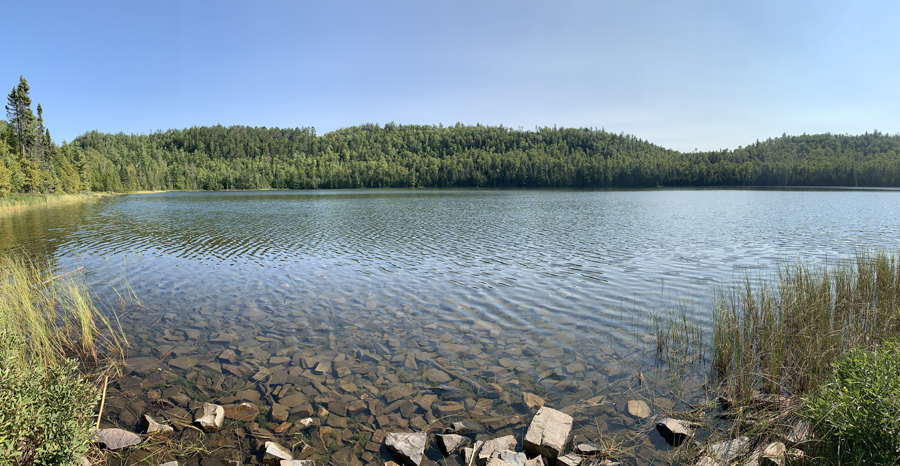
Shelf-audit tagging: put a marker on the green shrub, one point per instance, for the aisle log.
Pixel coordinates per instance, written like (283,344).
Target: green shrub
(45,412)
(857,412)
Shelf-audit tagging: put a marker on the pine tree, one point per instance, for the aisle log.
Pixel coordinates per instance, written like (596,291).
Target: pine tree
(18,111)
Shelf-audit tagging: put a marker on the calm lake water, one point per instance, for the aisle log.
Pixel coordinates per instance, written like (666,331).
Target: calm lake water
(395,309)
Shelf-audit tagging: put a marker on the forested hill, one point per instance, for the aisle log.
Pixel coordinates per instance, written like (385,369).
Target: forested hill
(240,157)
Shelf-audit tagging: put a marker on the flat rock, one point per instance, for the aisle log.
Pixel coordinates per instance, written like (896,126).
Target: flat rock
(548,432)
(513,458)
(151,427)
(449,443)
(274,454)
(724,452)
(463,427)
(674,431)
(536,461)
(773,454)
(436,376)
(587,449)
(184,362)
(297,463)
(407,448)
(210,417)
(395,393)
(241,412)
(552,353)
(228,355)
(638,408)
(532,401)
(569,460)
(495,446)
(115,439)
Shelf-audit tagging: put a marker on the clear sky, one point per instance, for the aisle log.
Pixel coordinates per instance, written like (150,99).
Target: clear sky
(682,74)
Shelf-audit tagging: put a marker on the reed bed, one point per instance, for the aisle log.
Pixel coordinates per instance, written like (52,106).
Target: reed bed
(15,202)
(56,318)
(783,336)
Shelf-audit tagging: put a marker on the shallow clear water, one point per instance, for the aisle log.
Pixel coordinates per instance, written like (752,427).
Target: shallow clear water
(485,284)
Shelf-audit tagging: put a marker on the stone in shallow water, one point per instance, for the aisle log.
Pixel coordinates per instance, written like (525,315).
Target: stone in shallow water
(532,401)
(436,376)
(674,431)
(407,448)
(513,458)
(210,417)
(449,443)
(495,446)
(151,427)
(115,439)
(551,353)
(274,454)
(569,460)
(548,432)
(184,362)
(638,408)
(241,412)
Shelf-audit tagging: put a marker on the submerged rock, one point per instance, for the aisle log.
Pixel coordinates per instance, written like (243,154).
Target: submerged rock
(151,427)
(638,408)
(548,432)
(274,454)
(407,448)
(241,412)
(210,417)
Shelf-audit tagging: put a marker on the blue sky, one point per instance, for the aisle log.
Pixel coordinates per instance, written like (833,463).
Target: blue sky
(682,74)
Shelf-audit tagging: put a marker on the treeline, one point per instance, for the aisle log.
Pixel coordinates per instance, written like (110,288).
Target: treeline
(372,156)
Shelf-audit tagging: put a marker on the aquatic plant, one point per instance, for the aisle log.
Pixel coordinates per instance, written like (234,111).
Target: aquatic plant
(58,315)
(783,336)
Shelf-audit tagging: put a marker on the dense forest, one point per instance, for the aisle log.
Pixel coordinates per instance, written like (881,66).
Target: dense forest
(372,156)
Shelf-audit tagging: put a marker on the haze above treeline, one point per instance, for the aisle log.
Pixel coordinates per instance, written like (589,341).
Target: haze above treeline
(404,156)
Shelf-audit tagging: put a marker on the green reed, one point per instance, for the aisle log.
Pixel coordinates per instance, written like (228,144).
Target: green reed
(782,336)
(56,316)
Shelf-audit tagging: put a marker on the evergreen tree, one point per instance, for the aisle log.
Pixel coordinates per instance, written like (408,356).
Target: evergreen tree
(18,111)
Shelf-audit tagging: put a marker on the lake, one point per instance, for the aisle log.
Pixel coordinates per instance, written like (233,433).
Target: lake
(406,310)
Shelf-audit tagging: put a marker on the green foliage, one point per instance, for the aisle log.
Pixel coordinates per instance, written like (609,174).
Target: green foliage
(45,413)
(5,184)
(858,410)
(372,156)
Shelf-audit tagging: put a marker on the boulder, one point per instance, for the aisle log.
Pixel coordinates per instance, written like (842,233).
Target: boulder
(115,439)
(407,448)
(449,443)
(547,433)
(210,417)
(241,412)
(151,427)
(674,431)
(274,454)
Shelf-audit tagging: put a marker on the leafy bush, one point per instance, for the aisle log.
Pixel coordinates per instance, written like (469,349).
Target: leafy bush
(857,412)
(45,412)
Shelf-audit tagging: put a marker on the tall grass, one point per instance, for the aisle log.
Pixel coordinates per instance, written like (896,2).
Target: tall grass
(56,317)
(782,336)
(15,202)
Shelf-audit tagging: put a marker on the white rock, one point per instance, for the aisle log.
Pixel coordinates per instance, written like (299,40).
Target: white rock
(547,433)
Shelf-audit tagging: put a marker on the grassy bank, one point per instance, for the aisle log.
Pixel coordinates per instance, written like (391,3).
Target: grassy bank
(56,347)
(790,348)
(16,202)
